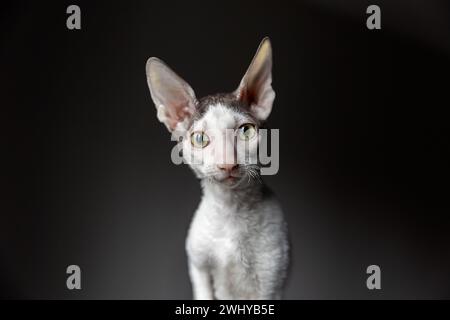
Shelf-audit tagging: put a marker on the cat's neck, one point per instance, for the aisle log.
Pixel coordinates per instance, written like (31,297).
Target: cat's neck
(241,198)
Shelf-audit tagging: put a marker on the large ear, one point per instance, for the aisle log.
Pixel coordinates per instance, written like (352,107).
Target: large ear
(255,88)
(174,99)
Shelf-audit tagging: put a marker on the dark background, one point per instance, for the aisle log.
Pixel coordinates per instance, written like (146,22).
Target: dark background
(88,178)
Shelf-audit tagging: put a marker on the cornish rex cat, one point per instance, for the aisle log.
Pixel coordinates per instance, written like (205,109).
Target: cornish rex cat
(237,243)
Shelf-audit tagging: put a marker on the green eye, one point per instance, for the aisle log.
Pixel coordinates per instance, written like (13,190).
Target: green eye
(199,139)
(247,131)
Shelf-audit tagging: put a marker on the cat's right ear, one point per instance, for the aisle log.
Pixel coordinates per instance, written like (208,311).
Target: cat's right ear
(173,97)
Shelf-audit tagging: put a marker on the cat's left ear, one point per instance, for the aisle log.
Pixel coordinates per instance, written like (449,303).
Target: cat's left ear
(255,89)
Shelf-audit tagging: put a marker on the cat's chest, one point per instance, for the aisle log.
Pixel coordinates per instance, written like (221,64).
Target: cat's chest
(217,235)
(225,225)
(222,246)
(220,227)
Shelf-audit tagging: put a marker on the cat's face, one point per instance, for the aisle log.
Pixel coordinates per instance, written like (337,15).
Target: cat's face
(222,145)
(219,133)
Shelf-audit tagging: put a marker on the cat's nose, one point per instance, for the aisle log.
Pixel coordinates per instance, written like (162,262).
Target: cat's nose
(227,167)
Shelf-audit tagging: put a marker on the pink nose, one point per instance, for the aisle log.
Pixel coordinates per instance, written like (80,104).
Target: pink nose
(227,167)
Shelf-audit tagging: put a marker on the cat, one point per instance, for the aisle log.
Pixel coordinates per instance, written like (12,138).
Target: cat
(237,243)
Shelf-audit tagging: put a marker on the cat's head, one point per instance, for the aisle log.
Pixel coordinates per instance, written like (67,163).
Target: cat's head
(218,133)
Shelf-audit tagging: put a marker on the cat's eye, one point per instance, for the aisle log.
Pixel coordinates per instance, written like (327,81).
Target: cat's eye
(246,131)
(199,139)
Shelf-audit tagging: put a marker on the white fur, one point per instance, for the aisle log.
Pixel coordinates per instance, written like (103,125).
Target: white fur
(237,243)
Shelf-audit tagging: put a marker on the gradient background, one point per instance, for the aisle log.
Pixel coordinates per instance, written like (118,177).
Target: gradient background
(88,178)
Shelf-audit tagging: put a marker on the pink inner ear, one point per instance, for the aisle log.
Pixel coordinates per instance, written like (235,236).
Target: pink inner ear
(255,91)
(178,113)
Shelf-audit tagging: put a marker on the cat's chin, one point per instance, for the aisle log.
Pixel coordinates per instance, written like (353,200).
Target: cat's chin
(229,181)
